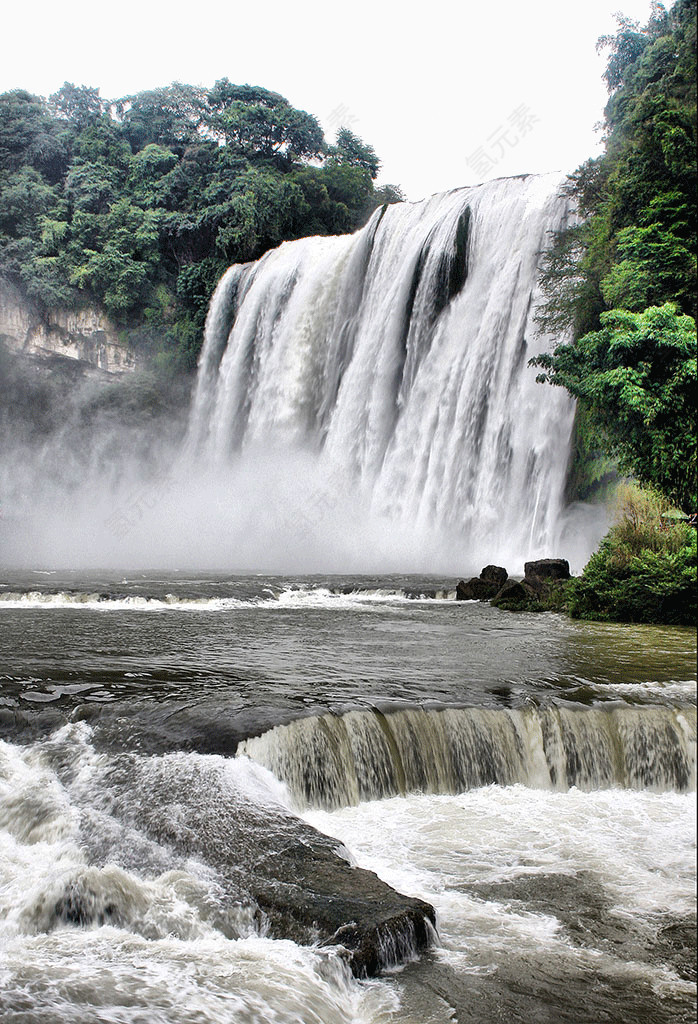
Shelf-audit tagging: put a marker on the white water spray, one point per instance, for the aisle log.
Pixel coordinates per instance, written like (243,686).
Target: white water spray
(396,361)
(364,404)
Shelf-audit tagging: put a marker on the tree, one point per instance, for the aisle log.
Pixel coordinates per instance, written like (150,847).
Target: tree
(637,377)
(257,122)
(636,244)
(29,136)
(116,256)
(78,104)
(172,116)
(91,187)
(349,149)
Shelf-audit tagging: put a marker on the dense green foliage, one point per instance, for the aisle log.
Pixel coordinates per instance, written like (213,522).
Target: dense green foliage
(611,275)
(637,376)
(621,282)
(592,473)
(635,244)
(142,203)
(644,571)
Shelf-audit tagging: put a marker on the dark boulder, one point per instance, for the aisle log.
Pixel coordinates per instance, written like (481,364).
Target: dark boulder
(494,574)
(548,569)
(537,585)
(475,590)
(309,892)
(515,592)
(483,587)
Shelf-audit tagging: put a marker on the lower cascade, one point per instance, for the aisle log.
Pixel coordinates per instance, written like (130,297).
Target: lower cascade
(331,760)
(387,372)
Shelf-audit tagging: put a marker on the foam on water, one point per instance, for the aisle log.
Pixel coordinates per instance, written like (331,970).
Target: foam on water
(678,689)
(83,942)
(638,848)
(289,597)
(96,602)
(112,974)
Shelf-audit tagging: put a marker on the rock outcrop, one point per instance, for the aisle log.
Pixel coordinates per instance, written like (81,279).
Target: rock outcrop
(494,574)
(482,587)
(538,590)
(297,880)
(85,335)
(309,892)
(548,569)
(517,591)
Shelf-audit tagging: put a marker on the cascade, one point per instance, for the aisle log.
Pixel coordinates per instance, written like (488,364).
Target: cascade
(335,760)
(396,361)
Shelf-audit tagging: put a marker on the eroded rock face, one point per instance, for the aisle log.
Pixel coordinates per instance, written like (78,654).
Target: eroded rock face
(86,335)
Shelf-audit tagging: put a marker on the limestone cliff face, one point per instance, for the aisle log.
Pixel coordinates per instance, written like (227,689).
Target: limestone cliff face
(85,334)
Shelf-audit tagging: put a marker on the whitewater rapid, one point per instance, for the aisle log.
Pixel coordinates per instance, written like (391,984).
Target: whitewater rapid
(171,744)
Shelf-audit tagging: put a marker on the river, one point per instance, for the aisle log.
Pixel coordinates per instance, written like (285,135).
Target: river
(531,777)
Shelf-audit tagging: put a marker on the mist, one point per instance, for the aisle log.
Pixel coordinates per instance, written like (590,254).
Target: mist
(104,493)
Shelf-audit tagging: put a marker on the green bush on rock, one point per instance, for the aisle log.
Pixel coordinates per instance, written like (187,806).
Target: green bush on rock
(644,570)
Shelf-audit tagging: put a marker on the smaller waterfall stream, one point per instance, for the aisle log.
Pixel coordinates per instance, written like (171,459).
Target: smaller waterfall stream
(332,761)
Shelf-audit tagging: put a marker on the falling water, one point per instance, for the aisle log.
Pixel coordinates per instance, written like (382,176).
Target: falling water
(396,361)
(336,760)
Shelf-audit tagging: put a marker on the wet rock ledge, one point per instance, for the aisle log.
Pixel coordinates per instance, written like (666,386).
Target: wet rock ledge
(307,891)
(297,882)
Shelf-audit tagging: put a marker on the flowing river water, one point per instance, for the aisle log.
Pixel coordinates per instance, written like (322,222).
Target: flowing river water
(256,799)
(165,738)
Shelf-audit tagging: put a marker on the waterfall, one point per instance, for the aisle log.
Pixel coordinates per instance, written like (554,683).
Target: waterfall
(336,760)
(396,361)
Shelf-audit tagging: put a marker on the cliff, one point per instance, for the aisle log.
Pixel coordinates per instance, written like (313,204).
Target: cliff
(86,334)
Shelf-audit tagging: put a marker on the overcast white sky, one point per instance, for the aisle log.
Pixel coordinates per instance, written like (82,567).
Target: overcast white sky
(447,93)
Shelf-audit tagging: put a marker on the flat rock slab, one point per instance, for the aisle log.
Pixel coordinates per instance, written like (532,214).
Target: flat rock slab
(308,892)
(297,881)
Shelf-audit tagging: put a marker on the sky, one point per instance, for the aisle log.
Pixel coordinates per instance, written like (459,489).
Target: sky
(448,93)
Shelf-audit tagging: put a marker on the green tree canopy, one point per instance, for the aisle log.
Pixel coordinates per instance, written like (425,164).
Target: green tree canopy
(78,104)
(622,278)
(349,149)
(29,136)
(257,122)
(636,245)
(141,203)
(170,116)
(637,376)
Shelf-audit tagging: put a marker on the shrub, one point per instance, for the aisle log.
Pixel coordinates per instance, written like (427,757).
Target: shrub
(644,570)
